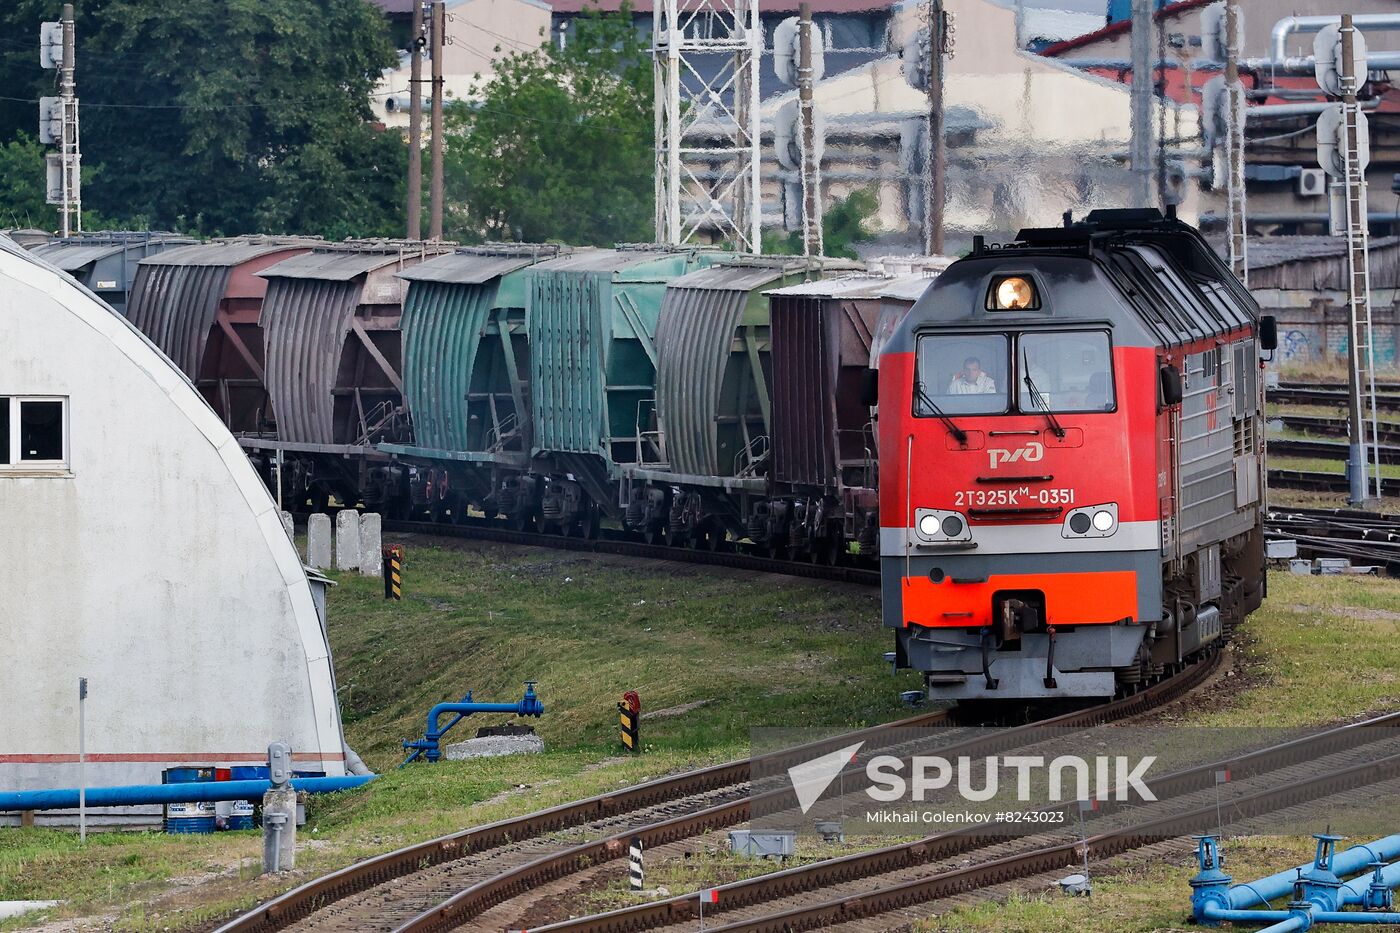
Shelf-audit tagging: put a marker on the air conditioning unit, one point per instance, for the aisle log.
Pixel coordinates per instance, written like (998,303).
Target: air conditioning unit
(1312,183)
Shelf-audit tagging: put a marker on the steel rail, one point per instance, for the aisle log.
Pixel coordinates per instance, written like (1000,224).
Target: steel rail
(1324,482)
(1056,857)
(815,876)
(305,899)
(1319,395)
(474,900)
(1324,450)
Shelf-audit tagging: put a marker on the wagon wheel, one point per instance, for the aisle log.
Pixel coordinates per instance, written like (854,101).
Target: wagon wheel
(654,536)
(592,523)
(521,521)
(712,540)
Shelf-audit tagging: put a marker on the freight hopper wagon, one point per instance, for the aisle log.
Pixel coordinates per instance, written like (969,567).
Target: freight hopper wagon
(200,304)
(702,439)
(823,482)
(467,381)
(334,362)
(106,263)
(591,322)
(1071,456)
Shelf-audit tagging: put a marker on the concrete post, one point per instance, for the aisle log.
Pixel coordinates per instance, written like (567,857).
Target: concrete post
(289,525)
(371,545)
(318,541)
(347,540)
(279,829)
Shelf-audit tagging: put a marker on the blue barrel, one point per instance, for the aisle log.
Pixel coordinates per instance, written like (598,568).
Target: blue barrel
(183,818)
(241,814)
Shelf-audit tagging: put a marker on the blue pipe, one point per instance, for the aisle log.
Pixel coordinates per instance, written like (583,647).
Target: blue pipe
(1214,912)
(1353,860)
(1353,916)
(528,705)
(139,794)
(1293,924)
(1355,890)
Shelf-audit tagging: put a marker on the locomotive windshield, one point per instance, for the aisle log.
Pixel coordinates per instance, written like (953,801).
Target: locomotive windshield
(1073,372)
(973,374)
(962,374)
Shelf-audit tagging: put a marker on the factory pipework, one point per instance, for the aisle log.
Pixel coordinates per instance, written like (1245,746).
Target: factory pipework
(1287,26)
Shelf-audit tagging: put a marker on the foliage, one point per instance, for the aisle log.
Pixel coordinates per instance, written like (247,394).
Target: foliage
(22,185)
(223,116)
(558,144)
(845,223)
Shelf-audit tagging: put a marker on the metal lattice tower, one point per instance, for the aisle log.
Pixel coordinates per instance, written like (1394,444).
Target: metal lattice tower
(707,121)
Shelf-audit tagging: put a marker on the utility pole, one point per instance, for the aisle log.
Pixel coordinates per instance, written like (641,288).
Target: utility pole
(1360,362)
(439,30)
(1238,233)
(415,126)
(935,152)
(811,181)
(70,154)
(1141,127)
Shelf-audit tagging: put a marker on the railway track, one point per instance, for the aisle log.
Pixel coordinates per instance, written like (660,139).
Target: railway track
(447,882)
(1315,481)
(1368,538)
(1335,427)
(1324,450)
(868,885)
(1294,393)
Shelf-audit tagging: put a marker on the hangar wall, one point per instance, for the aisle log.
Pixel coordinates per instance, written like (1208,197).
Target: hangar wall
(155,565)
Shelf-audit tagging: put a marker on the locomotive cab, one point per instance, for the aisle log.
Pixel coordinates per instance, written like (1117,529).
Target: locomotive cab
(1034,479)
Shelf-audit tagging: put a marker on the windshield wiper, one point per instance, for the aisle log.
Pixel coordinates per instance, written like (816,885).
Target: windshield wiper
(948,423)
(1040,401)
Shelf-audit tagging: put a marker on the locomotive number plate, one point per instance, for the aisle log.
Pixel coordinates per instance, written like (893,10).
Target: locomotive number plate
(1019,496)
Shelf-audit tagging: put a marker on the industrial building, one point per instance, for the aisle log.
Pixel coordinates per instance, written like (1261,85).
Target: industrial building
(143,554)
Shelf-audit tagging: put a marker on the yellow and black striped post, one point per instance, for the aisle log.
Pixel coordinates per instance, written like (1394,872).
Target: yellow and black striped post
(393,571)
(629,713)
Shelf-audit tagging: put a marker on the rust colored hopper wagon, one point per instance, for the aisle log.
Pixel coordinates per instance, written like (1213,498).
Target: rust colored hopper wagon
(334,365)
(200,305)
(823,476)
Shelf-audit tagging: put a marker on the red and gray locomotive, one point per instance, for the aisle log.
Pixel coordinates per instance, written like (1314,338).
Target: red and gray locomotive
(1072,462)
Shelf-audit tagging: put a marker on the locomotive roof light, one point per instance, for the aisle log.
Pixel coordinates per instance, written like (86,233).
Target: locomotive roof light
(941,526)
(1092,521)
(1013,293)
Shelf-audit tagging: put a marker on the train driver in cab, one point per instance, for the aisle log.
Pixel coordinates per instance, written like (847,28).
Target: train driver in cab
(972,379)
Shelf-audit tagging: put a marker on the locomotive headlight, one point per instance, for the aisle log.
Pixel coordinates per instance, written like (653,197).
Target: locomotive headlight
(1013,293)
(941,526)
(1092,521)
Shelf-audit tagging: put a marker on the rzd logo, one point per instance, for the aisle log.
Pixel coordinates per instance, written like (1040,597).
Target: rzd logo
(1030,454)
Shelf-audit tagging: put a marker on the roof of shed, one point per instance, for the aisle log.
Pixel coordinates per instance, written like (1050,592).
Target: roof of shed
(602,260)
(1268,251)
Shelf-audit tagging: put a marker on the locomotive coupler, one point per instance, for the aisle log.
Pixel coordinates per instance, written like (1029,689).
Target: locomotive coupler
(988,646)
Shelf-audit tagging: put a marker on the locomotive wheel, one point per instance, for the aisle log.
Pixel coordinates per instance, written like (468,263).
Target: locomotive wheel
(592,523)
(440,511)
(674,538)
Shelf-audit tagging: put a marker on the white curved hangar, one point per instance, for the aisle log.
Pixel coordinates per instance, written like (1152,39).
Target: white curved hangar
(138,549)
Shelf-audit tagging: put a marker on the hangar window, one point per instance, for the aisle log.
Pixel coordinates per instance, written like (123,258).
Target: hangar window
(33,434)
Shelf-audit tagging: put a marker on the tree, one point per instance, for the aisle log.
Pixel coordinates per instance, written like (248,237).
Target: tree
(558,144)
(22,185)
(845,222)
(226,116)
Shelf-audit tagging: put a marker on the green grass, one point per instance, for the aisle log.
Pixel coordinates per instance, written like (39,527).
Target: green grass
(758,650)
(761,650)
